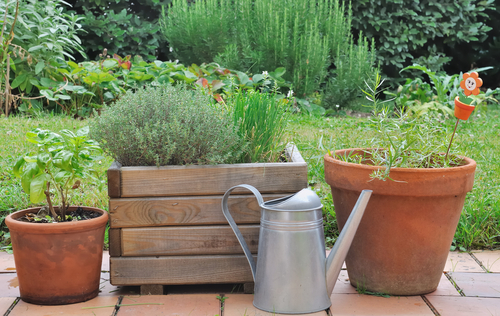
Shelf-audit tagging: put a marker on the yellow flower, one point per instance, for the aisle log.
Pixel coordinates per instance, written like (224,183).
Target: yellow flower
(471,83)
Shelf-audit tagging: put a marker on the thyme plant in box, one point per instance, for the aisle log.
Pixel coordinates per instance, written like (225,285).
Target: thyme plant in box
(410,216)
(168,125)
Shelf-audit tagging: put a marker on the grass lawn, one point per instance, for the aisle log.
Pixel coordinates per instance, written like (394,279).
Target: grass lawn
(477,138)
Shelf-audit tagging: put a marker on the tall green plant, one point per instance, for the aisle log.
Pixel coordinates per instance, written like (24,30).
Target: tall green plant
(261,119)
(263,34)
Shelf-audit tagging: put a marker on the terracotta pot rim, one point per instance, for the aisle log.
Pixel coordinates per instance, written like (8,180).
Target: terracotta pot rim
(464,106)
(469,164)
(56,228)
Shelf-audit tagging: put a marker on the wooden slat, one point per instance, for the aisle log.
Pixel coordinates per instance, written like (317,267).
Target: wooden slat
(180,270)
(114,235)
(196,210)
(114,185)
(288,177)
(190,240)
(293,154)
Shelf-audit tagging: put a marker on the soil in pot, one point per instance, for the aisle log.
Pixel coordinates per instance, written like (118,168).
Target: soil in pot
(43,216)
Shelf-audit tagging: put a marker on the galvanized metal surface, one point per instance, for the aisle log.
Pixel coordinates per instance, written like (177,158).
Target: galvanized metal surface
(291,273)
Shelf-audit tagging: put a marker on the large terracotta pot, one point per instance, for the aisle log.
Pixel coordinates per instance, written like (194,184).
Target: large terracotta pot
(57,263)
(403,240)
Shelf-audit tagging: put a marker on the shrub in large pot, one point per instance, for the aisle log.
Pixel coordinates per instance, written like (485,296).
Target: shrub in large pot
(57,249)
(403,240)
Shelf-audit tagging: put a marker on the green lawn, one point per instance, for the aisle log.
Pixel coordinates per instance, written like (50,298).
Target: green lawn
(477,138)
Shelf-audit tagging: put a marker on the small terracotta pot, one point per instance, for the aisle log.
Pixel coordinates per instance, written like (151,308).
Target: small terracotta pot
(58,263)
(462,110)
(404,238)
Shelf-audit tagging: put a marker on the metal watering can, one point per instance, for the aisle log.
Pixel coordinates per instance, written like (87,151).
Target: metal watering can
(292,274)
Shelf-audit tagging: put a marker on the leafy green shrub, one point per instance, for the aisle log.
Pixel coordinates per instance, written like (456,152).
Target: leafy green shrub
(417,97)
(37,36)
(79,88)
(351,71)
(407,30)
(261,119)
(167,126)
(123,27)
(258,35)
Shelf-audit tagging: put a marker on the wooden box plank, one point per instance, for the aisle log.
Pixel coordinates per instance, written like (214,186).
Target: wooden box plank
(197,240)
(195,210)
(171,270)
(212,180)
(114,180)
(115,244)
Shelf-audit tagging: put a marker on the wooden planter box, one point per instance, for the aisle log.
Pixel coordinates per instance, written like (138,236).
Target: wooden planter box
(167,225)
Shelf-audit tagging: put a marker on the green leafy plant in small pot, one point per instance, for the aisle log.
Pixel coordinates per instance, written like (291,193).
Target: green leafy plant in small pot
(57,249)
(404,238)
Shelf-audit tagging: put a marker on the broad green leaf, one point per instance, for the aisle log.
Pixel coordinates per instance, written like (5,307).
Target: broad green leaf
(12,64)
(217,84)
(18,166)
(67,133)
(63,160)
(39,67)
(108,95)
(18,80)
(30,171)
(35,48)
(48,94)
(42,160)
(61,175)
(280,71)
(84,131)
(256,78)
(243,77)
(63,96)
(37,187)
(109,63)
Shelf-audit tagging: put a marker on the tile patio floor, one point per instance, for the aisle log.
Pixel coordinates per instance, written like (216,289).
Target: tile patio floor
(470,286)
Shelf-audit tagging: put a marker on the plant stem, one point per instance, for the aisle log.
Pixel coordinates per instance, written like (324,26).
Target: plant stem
(451,140)
(51,208)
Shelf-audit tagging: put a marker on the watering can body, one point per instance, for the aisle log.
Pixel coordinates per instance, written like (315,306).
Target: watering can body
(292,274)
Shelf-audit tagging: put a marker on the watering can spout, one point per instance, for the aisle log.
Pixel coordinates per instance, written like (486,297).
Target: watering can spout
(339,252)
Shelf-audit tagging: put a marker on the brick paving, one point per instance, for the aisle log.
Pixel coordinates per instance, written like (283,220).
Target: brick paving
(470,286)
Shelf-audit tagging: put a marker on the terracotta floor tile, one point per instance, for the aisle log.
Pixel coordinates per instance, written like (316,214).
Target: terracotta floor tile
(242,305)
(5,303)
(465,306)
(343,286)
(106,289)
(7,263)
(9,286)
(478,284)
(357,304)
(173,305)
(26,309)
(445,288)
(461,262)
(489,259)
(105,261)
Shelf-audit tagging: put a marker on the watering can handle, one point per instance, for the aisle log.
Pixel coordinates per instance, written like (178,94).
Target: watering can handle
(235,228)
